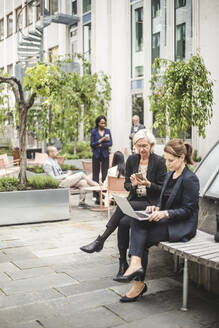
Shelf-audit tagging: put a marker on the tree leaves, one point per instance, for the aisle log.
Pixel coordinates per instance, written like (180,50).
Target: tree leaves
(181,96)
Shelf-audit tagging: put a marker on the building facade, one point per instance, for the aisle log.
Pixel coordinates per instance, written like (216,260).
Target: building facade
(122,38)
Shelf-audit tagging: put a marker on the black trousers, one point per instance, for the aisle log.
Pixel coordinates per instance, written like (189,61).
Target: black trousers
(144,235)
(96,169)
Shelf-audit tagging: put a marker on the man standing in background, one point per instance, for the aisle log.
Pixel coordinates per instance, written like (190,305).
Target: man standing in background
(135,128)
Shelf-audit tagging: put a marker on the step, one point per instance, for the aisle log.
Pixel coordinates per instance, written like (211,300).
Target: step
(35,33)
(29,44)
(25,49)
(31,38)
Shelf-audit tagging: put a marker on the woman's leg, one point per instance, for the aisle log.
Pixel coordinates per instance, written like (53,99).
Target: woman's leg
(104,167)
(96,173)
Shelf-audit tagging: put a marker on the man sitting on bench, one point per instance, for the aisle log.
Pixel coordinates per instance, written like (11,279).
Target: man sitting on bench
(77,180)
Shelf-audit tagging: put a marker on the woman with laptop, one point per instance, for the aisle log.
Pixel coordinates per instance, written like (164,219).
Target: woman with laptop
(145,174)
(175,219)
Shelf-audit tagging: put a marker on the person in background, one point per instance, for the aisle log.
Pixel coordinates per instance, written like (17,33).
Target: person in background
(144,177)
(100,141)
(135,128)
(117,170)
(77,180)
(174,219)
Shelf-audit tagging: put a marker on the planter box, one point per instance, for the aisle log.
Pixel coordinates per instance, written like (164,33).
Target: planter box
(34,206)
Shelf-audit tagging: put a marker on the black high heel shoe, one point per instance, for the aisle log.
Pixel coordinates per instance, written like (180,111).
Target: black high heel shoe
(126,299)
(136,274)
(95,246)
(123,266)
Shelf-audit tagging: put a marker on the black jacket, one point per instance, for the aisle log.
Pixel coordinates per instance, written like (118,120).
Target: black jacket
(182,206)
(156,174)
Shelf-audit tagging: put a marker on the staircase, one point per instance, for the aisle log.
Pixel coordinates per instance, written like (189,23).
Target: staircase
(30,44)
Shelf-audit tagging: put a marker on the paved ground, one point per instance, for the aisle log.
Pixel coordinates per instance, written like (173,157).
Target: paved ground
(46,281)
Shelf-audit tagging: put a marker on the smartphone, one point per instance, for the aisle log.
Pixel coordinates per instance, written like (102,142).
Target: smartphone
(139,176)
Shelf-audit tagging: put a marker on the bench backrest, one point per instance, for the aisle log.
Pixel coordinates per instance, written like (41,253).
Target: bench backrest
(87,166)
(116,184)
(40,157)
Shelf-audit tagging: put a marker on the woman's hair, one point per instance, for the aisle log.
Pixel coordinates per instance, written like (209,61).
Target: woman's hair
(145,133)
(118,159)
(177,147)
(99,118)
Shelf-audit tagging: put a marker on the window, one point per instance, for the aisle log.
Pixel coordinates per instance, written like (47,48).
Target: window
(53,6)
(155,8)
(139,71)
(155,46)
(139,29)
(87,41)
(180,41)
(9,24)
(86,6)
(180,3)
(2,29)
(138,106)
(10,69)
(29,15)
(74,7)
(38,13)
(18,19)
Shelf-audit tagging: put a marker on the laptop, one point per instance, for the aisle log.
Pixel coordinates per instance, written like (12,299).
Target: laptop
(124,205)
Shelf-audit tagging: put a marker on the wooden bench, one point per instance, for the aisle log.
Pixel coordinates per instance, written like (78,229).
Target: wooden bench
(201,249)
(7,167)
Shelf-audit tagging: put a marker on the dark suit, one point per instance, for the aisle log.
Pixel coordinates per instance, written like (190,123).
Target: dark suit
(182,206)
(155,174)
(100,154)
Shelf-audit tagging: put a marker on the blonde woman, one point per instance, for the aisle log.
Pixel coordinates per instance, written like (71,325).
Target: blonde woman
(143,191)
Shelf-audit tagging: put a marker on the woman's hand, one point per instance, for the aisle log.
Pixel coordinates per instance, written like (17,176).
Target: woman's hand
(157,216)
(143,182)
(151,209)
(133,180)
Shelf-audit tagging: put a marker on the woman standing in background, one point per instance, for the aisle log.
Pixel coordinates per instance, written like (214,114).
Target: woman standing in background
(100,141)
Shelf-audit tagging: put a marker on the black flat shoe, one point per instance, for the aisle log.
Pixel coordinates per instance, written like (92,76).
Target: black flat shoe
(95,246)
(136,274)
(126,299)
(123,266)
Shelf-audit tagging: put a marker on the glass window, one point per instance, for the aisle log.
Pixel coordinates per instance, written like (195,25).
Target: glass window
(155,8)
(38,13)
(10,69)
(29,15)
(19,20)
(87,41)
(138,106)
(155,46)
(53,6)
(180,41)
(180,3)
(74,7)
(139,71)
(139,29)
(9,24)
(2,29)
(86,6)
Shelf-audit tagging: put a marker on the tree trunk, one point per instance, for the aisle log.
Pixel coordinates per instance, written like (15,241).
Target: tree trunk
(22,145)
(75,146)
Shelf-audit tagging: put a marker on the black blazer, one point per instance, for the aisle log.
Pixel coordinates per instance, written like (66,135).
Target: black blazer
(182,206)
(156,174)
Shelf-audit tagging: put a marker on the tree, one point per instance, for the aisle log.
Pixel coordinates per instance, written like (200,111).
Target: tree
(181,96)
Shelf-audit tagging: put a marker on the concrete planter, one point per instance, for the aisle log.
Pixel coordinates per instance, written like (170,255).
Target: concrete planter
(34,206)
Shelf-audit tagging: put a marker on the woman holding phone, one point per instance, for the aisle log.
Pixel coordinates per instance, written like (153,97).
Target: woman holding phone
(145,174)
(100,141)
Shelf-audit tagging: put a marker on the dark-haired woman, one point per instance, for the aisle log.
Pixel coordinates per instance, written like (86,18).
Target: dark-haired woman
(100,141)
(117,170)
(174,220)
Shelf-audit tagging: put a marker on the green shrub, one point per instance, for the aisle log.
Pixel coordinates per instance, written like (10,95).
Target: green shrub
(195,156)
(83,150)
(35,168)
(43,182)
(67,167)
(36,182)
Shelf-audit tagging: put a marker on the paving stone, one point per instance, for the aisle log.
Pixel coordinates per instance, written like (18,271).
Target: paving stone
(29,324)
(18,253)
(87,286)
(4,277)
(8,267)
(27,298)
(96,318)
(34,284)
(29,273)
(30,263)
(81,302)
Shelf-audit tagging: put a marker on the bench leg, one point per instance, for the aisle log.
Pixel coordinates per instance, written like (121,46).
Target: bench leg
(185,286)
(175,263)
